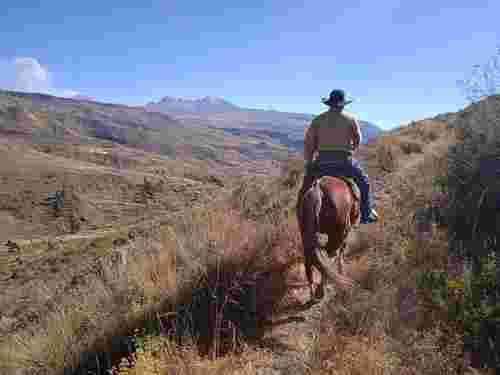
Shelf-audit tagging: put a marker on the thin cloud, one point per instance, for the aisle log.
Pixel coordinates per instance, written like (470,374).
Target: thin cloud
(70,93)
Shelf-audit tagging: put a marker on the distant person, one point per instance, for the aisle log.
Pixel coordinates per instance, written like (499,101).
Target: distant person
(335,135)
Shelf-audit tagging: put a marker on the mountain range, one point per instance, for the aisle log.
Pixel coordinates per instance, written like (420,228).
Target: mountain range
(227,137)
(283,127)
(207,104)
(40,119)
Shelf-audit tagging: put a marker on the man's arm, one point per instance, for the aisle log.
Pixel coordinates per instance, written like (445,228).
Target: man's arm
(357,137)
(310,143)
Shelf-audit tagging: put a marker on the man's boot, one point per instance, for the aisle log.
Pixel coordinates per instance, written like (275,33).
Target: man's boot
(368,213)
(373,217)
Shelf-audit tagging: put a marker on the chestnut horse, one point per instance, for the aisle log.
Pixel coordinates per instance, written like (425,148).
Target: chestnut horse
(331,206)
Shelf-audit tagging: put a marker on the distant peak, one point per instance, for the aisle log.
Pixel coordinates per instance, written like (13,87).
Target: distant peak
(198,105)
(213,99)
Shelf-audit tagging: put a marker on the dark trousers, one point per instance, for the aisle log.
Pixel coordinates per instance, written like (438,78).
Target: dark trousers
(330,164)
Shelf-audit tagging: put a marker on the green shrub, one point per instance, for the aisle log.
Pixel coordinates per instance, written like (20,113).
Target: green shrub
(466,300)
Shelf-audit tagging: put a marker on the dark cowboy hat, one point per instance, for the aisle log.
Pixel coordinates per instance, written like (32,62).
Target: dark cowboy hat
(337,97)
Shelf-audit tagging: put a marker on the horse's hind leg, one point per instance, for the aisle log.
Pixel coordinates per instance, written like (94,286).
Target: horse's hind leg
(340,258)
(309,215)
(320,291)
(309,271)
(308,246)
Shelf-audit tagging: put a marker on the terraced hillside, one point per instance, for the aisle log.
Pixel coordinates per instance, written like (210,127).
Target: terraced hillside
(43,119)
(93,196)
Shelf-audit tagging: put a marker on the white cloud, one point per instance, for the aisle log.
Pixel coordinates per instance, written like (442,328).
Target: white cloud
(28,75)
(69,93)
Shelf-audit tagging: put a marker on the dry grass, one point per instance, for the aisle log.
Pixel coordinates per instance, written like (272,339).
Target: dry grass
(231,264)
(363,333)
(393,150)
(357,355)
(239,264)
(387,158)
(218,251)
(232,283)
(161,356)
(113,296)
(411,147)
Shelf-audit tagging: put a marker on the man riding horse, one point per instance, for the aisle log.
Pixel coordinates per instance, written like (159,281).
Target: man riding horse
(335,135)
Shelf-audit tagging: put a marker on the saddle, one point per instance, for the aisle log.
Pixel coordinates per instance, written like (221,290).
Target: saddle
(348,180)
(319,170)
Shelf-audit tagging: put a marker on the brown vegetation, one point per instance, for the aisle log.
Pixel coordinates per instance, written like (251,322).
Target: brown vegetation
(238,269)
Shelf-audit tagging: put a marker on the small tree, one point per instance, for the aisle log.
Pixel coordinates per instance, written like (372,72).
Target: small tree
(474,181)
(474,166)
(484,79)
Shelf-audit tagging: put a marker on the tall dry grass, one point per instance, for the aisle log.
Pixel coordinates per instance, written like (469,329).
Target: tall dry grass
(199,268)
(230,279)
(100,306)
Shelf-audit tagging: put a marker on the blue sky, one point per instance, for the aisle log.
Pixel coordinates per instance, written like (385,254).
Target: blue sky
(399,59)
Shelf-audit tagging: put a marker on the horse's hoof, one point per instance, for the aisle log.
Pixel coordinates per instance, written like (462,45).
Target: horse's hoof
(313,301)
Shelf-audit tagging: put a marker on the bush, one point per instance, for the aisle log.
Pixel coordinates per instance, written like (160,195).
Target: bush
(466,301)
(291,172)
(431,136)
(386,158)
(411,147)
(474,187)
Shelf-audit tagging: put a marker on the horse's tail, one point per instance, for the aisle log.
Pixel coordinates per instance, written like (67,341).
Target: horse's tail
(309,218)
(321,262)
(311,207)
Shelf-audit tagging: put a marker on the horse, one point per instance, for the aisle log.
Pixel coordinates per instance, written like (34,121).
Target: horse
(331,205)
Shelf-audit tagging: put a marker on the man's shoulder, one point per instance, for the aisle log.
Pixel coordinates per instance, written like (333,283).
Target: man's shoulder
(320,116)
(318,119)
(350,116)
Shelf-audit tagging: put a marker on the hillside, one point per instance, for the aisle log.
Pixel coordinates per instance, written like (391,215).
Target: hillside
(86,288)
(147,251)
(43,119)
(281,127)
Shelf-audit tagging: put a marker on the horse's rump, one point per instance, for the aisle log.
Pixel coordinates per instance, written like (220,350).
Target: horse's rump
(328,206)
(342,201)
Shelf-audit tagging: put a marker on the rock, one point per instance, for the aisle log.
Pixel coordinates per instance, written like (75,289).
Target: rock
(55,245)
(407,304)
(12,246)
(6,323)
(119,242)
